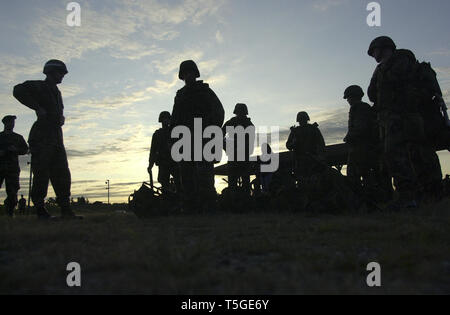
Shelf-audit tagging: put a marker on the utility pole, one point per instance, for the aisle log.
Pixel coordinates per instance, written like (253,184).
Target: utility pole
(29,188)
(107,183)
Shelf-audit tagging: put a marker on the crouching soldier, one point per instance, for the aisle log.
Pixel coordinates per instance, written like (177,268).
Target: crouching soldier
(11,146)
(48,154)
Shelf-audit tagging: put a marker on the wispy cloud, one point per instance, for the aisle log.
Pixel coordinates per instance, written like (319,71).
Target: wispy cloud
(324,5)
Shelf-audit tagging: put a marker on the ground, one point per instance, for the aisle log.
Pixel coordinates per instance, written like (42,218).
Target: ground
(257,253)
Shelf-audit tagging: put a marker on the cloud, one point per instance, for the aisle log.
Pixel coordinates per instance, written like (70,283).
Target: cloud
(324,5)
(219,37)
(69,91)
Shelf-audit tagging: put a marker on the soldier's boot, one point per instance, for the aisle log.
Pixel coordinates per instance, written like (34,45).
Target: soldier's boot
(9,211)
(10,205)
(43,214)
(68,214)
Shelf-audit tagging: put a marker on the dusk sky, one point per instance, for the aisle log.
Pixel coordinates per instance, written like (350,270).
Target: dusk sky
(278,57)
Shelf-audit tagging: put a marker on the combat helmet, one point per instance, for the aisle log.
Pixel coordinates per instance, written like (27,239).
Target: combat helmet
(381,42)
(353,90)
(188,65)
(55,65)
(163,116)
(240,109)
(303,116)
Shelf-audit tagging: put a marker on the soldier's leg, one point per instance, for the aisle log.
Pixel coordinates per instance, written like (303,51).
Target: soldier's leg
(402,171)
(232,175)
(60,178)
(206,184)
(189,185)
(245,175)
(429,172)
(12,187)
(164,177)
(175,172)
(40,162)
(353,170)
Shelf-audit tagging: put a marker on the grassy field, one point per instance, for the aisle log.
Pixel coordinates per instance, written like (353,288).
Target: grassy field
(265,253)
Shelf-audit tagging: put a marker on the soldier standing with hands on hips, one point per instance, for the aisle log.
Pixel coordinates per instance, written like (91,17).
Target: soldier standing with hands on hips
(48,154)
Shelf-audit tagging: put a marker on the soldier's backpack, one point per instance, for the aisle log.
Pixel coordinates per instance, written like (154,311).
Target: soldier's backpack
(146,202)
(436,129)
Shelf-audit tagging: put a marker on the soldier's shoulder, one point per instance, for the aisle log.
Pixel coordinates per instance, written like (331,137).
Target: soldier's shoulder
(17,135)
(34,82)
(404,54)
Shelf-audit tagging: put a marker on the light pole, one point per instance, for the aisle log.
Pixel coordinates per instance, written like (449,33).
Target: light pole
(107,183)
(29,186)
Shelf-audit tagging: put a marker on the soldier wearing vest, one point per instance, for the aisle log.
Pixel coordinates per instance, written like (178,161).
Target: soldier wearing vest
(161,156)
(239,168)
(196,100)
(360,138)
(48,154)
(397,101)
(308,145)
(11,146)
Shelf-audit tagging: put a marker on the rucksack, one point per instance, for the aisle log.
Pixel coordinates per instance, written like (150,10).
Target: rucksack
(146,202)
(434,121)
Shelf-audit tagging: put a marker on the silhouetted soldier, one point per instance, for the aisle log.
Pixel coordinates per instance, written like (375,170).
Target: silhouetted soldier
(11,146)
(360,138)
(308,145)
(22,205)
(161,156)
(48,154)
(239,169)
(196,100)
(397,104)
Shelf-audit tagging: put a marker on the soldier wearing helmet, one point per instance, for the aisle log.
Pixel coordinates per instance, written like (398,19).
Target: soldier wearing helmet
(196,100)
(48,154)
(239,128)
(361,138)
(396,101)
(308,145)
(11,146)
(161,156)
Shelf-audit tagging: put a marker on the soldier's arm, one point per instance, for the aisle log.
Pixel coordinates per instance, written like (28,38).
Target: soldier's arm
(25,94)
(217,108)
(154,149)
(174,119)
(291,141)
(372,90)
(320,143)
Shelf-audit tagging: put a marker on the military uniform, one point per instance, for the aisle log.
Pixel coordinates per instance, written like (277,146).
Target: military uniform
(9,166)
(48,154)
(240,169)
(309,148)
(360,140)
(397,101)
(197,101)
(161,156)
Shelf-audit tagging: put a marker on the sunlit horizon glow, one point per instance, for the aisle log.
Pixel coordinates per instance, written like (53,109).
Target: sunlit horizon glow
(277,57)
